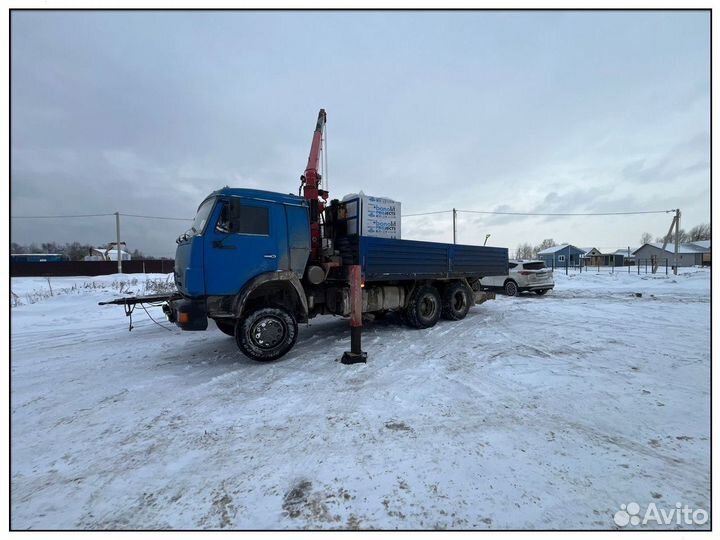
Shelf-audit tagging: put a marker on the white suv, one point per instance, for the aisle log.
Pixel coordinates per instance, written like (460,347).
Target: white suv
(523,276)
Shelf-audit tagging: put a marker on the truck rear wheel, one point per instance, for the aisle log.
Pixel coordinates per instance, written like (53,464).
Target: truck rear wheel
(457,300)
(226,326)
(266,333)
(424,307)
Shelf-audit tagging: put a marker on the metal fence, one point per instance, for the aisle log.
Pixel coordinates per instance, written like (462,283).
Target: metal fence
(640,266)
(89,268)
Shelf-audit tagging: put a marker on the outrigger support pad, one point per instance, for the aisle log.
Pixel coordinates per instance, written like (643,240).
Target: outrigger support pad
(355,355)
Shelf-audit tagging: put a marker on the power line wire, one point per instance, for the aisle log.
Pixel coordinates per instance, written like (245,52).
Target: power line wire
(427,213)
(100,215)
(403,215)
(544,213)
(156,217)
(568,213)
(61,217)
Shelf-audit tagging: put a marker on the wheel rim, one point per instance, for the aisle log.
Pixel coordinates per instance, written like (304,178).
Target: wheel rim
(268,332)
(428,307)
(459,301)
(511,289)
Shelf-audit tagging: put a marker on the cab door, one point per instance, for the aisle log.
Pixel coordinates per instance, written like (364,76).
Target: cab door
(250,242)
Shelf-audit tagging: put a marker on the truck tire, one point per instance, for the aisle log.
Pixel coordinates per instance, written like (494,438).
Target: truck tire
(541,291)
(266,333)
(424,307)
(457,300)
(226,326)
(511,288)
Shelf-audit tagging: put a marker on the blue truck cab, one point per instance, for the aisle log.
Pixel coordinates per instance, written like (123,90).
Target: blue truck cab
(246,263)
(240,239)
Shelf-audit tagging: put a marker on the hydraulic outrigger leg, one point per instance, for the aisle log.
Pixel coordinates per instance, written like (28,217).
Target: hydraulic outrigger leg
(355,355)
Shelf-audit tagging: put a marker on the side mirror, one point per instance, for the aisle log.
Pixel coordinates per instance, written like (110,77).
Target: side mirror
(229,216)
(233,214)
(234,209)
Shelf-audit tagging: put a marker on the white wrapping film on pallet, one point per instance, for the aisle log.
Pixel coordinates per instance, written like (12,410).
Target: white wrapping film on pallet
(379,216)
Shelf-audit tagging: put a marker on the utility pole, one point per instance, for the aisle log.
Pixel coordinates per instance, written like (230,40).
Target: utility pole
(675,223)
(628,260)
(677,238)
(454,226)
(117,232)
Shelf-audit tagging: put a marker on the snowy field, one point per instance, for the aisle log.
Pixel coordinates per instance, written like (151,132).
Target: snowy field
(533,412)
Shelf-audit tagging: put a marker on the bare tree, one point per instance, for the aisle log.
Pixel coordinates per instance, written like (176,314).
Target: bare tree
(77,251)
(699,232)
(682,237)
(525,251)
(646,238)
(547,243)
(74,251)
(50,247)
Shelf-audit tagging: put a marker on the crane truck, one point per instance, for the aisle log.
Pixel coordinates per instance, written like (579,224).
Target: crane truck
(258,263)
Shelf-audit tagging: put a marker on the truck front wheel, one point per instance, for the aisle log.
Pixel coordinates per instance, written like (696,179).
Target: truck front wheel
(266,333)
(423,309)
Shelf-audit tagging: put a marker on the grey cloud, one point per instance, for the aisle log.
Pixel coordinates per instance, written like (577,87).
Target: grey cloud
(147,112)
(684,160)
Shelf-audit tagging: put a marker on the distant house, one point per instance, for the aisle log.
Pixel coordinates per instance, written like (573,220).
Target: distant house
(702,244)
(113,255)
(107,254)
(592,256)
(707,252)
(689,254)
(608,257)
(628,259)
(561,255)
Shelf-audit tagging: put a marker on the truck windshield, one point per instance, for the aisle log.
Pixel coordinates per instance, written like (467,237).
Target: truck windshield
(202,216)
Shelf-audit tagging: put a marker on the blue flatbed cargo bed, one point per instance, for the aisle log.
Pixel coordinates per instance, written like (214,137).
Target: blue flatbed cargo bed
(385,259)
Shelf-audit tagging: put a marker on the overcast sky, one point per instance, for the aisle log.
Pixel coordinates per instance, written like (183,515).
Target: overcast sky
(148,112)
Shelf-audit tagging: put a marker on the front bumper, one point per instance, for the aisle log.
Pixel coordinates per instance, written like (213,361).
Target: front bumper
(187,313)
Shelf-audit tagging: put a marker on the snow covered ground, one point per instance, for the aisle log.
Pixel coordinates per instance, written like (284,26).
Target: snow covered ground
(533,412)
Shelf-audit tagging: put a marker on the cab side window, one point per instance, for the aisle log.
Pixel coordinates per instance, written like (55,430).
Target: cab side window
(253,220)
(249,220)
